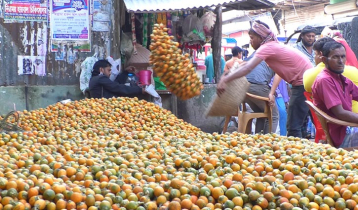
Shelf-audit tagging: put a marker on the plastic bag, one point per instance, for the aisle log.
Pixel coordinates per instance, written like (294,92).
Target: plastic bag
(193,29)
(208,20)
(151,91)
(86,72)
(114,70)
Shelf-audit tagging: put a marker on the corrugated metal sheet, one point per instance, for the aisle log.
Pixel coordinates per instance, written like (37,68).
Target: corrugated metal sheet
(142,6)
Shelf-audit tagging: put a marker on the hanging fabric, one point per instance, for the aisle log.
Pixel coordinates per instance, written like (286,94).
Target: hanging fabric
(169,23)
(152,22)
(164,18)
(159,18)
(145,30)
(134,39)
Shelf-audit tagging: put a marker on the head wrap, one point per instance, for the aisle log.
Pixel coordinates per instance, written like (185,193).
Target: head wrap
(266,34)
(305,30)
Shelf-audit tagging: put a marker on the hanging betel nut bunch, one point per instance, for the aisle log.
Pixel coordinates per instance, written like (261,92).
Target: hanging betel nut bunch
(173,68)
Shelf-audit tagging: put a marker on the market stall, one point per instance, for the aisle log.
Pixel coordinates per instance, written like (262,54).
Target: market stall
(190,25)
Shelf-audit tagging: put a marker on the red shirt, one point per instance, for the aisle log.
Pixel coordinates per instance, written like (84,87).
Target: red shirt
(328,92)
(351,57)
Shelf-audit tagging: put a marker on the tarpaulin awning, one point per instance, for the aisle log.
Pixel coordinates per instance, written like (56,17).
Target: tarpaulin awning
(152,6)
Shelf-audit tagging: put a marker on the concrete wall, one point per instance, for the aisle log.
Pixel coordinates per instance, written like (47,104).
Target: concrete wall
(34,97)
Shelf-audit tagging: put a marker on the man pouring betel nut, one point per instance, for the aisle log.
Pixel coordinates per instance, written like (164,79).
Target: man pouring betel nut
(288,63)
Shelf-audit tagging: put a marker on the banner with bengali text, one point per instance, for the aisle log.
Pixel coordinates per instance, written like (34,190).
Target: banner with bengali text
(69,19)
(25,10)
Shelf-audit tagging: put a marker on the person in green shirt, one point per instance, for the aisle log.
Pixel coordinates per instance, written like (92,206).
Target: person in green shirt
(209,63)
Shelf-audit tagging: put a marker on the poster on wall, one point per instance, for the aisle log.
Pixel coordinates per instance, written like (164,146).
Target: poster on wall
(28,65)
(69,19)
(101,17)
(63,48)
(42,41)
(25,10)
(1,9)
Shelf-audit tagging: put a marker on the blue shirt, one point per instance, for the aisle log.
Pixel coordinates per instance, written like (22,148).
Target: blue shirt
(261,74)
(209,63)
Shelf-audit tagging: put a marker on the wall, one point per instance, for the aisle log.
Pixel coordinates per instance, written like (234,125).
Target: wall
(308,15)
(62,77)
(34,97)
(242,37)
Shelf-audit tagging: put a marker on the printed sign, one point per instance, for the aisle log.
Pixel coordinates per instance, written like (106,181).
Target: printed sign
(101,17)
(61,47)
(25,10)
(31,65)
(69,19)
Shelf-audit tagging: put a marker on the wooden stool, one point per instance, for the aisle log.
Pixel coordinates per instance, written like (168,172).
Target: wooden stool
(245,118)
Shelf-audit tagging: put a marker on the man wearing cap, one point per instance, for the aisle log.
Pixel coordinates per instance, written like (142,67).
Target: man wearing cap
(228,55)
(288,63)
(305,42)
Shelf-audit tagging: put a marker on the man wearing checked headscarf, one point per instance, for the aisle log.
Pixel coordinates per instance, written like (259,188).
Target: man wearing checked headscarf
(288,63)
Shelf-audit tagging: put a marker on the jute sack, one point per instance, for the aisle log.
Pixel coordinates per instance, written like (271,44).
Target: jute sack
(227,103)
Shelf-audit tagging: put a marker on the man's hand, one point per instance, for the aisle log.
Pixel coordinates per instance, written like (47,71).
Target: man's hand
(130,69)
(221,86)
(272,100)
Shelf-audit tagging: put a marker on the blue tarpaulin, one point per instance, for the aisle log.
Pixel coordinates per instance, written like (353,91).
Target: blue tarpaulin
(230,40)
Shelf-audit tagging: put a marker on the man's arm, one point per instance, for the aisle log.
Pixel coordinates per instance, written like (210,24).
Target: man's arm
(243,69)
(226,68)
(119,88)
(276,81)
(343,114)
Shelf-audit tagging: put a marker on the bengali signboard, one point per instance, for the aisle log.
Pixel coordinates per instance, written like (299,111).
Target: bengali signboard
(25,10)
(69,19)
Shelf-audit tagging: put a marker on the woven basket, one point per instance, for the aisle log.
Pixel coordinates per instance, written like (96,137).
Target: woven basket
(228,103)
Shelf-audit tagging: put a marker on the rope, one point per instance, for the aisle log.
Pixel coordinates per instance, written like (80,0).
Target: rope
(5,125)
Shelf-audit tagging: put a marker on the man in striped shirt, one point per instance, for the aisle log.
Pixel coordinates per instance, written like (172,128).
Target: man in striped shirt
(305,43)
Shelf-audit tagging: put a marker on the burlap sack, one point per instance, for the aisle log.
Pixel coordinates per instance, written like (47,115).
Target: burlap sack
(227,104)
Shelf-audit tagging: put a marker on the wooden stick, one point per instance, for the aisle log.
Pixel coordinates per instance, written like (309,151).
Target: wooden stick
(216,43)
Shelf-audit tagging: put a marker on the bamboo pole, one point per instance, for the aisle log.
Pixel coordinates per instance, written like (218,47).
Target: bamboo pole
(216,43)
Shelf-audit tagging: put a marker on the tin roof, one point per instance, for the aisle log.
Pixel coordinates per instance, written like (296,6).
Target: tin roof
(142,56)
(151,6)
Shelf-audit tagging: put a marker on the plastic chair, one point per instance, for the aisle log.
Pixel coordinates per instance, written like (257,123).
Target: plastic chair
(319,130)
(324,119)
(245,118)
